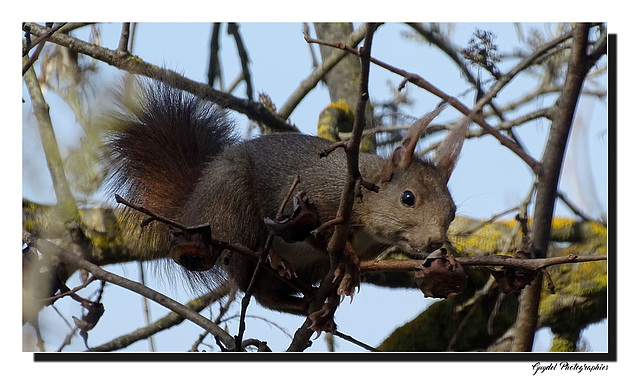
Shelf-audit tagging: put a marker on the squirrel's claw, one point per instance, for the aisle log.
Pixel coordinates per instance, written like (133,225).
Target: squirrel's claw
(322,320)
(348,271)
(350,281)
(281,265)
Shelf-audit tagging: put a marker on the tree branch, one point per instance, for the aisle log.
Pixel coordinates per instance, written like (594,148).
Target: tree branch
(214,71)
(237,248)
(340,234)
(234,30)
(68,258)
(50,143)
(552,158)
(489,260)
(123,44)
(170,320)
(454,53)
(477,118)
(308,84)
(135,65)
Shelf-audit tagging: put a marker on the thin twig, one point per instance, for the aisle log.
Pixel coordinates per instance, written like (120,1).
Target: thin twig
(214,72)
(448,48)
(168,321)
(145,307)
(467,232)
(33,58)
(576,210)
(463,323)
(477,118)
(41,39)
(52,299)
(308,84)
(152,216)
(234,247)
(354,341)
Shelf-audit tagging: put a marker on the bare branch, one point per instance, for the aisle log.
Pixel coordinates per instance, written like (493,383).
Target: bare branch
(66,257)
(422,83)
(526,320)
(489,260)
(234,30)
(354,341)
(145,308)
(135,65)
(40,40)
(453,52)
(340,234)
(503,81)
(164,323)
(308,84)
(214,71)
(123,44)
(49,142)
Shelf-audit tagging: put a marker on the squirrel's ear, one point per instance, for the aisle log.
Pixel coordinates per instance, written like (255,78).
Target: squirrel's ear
(448,152)
(402,155)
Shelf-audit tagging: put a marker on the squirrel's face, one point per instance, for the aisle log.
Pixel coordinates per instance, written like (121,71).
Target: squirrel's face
(412,210)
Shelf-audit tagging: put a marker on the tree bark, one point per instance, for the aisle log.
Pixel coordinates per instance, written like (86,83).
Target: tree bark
(343,80)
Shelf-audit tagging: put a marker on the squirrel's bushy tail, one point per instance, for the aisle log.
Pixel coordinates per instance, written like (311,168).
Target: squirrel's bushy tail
(158,143)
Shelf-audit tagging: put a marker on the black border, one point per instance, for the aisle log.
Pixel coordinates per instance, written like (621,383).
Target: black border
(324,357)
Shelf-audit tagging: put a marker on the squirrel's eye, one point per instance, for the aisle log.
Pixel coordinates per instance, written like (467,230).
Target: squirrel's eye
(408,199)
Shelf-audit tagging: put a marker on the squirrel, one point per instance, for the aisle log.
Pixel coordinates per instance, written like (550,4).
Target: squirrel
(175,154)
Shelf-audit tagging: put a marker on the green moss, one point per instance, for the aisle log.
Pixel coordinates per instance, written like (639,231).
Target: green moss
(446,320)
(566,342)
(477,237)
(580,299)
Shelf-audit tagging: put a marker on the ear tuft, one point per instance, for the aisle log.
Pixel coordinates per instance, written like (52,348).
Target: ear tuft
(448,153)
(402,156)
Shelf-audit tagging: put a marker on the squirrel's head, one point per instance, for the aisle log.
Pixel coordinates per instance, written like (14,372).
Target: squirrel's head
(413,207)
(412,210)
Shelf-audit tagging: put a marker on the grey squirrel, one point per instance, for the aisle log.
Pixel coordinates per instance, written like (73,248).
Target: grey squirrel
(175,154)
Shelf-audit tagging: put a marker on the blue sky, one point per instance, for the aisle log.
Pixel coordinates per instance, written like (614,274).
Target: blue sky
(487,180)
